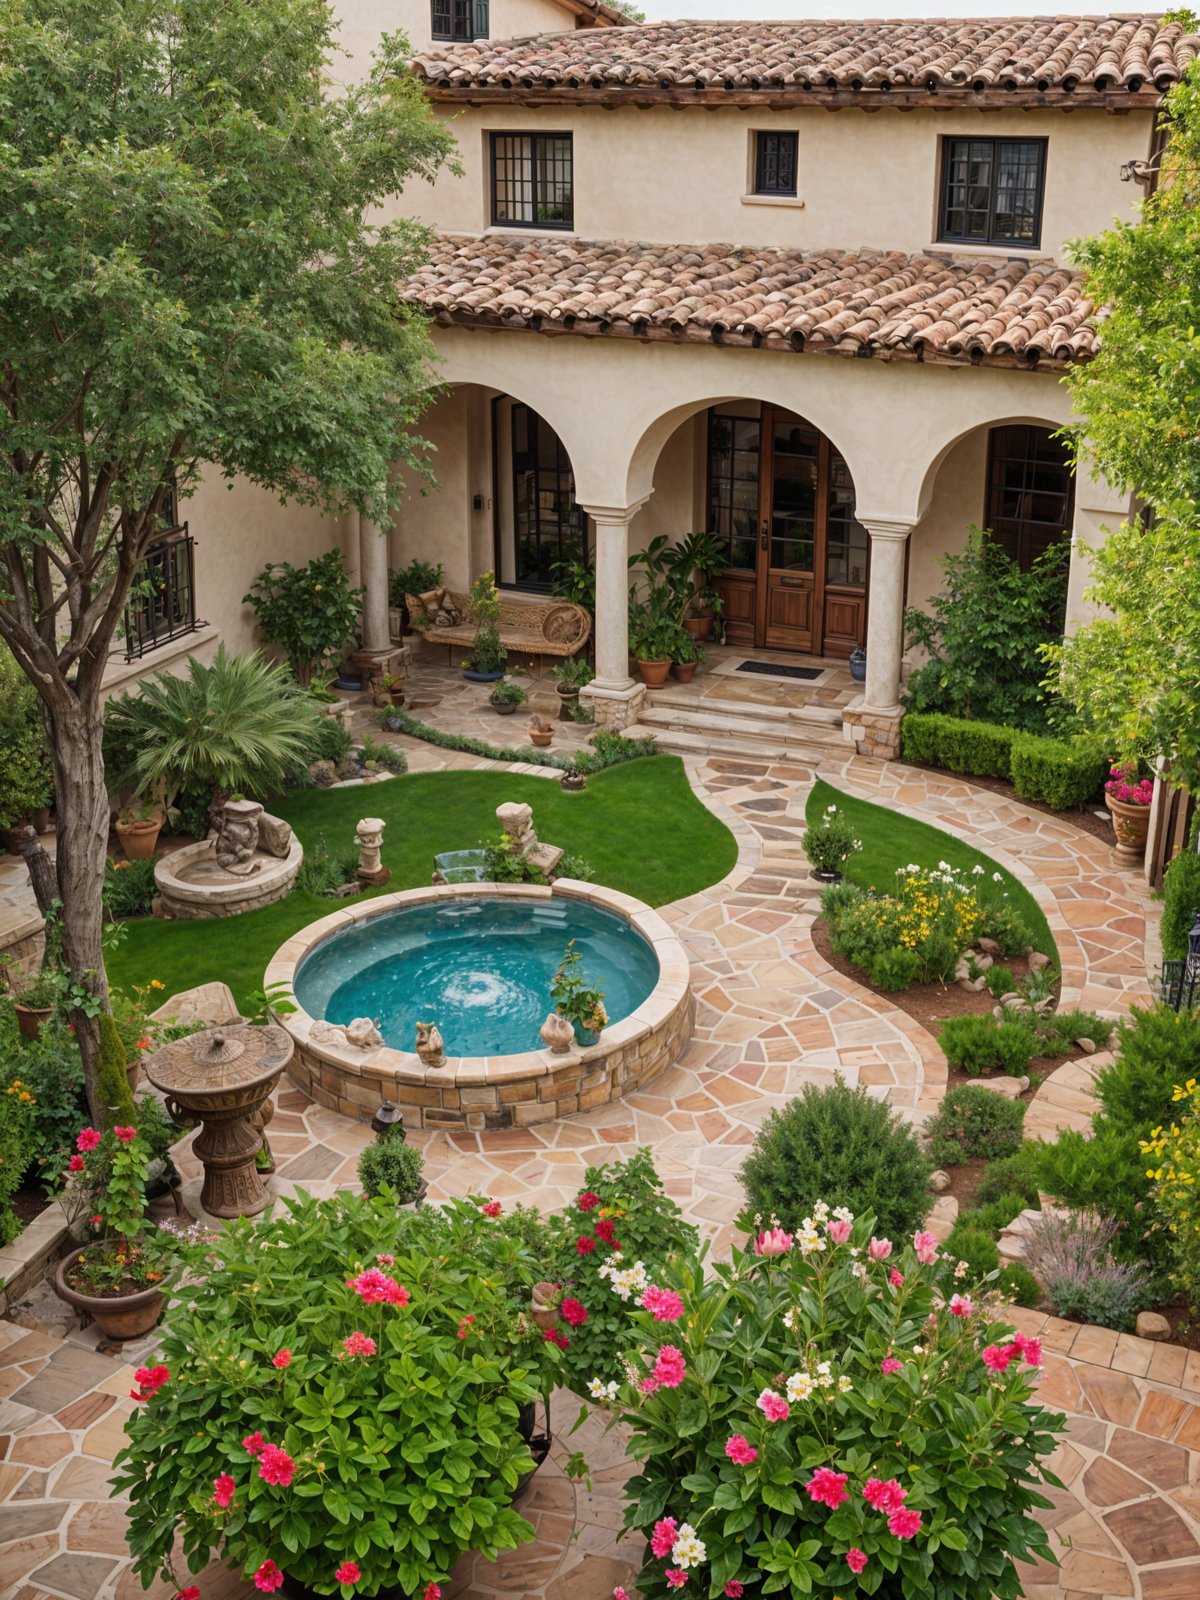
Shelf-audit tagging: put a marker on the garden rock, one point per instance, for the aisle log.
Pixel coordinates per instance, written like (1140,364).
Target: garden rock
(1088,1046)
(1009,1088)
(1151,1325)
(979,985)
(323,774)
(984,963)
(1013,997)
(209,1003)
(1037,960)
(939,1181)
(44,1312)
(274,835)
(988,945)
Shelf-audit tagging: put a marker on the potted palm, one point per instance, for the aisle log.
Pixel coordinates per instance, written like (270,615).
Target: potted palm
(138,827)
(579,1001)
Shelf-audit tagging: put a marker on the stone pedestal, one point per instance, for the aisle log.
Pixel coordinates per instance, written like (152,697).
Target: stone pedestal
(873,733)
(614,707)
(371,870)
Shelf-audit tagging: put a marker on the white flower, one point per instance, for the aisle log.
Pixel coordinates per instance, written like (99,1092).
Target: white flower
(961,1270)
(628,1281)
(843,1214)
(810,1242)
(824,1375)
(599,1390)
(789,1319)
(918,1349)
(860,1272)
(820,1213)
(844,1385)
(997,877)
(799,1387)
(829,810)
(688,1550)
(976,870)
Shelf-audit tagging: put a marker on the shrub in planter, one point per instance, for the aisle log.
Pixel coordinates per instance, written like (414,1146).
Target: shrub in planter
(980,1045)
(361,1406)
(830,843)
(1071,1254)
(394,1164)
(820,1421)
(838,1142)
(973,1122)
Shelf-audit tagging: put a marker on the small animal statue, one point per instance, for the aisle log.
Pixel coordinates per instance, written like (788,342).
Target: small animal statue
(557,1034)
(429,1044)
(362,1033)
(237,837)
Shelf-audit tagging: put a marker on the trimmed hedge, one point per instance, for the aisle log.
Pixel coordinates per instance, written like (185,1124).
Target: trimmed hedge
(1057,772)
(1181,900)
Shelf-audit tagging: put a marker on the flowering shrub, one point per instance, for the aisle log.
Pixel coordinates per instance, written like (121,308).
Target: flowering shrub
(18,1110)
(345,1391)
(841,1419)
(1175,1154)
(1126,789)
(830,843)
(1070,1252)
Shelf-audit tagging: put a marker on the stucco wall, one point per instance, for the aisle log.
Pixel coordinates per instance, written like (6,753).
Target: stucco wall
(663,175)
(363,21)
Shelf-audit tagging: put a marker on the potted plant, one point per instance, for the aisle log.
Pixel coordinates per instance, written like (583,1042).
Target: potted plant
(35,1000)
(488,658)
(686,658)
(653,642)
(392,1166)
(696,561)
(541,732)
(1128,800)
(138,827)
(388,690)
(576,999)
(310,612)
(506,697)
(858,665)
(569,677)
(401,1341)
(829,844)
(418,577)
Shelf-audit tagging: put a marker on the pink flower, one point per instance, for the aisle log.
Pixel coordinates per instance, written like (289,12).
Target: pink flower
(648,1385)
(357,1345)
(895,1278)
(253,1443)
(588,1201)
(268,1577)
(676,1578)
(1031,1349)
(735,1589)
(491,1208)
(87,1140)
(348,1572)
(574,1312)
(856,1560)
(926,1247)
(889,1364)
(997,1357)
(961,1305)
(76,1164)
(773,1406)
(96,1221)
(375,1288)
(879,1249)
(838,1230)
(664,1304)
(433,1591)
(126,1135)
(774,1242)
(585,1244)
(275,1466)
(223,1487)
(395,1293)
(386,1261)
(886,1497)
(282,1359)
(670,1368)
(558,1337)
(149,1380)
(904,1523)
(620,1594)
(739,1450)
(464,1327)
(192,1592)
(827,1488)
(662,1540)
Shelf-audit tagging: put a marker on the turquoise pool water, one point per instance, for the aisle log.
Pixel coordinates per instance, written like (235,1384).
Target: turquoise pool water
(480,968)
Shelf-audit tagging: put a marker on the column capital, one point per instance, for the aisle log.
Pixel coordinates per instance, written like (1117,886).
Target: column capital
(614,513)
(886,527)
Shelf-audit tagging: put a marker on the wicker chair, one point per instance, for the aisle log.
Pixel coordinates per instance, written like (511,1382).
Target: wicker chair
(536,628)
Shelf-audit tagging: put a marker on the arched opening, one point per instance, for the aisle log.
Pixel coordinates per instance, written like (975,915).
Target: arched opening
(539,530)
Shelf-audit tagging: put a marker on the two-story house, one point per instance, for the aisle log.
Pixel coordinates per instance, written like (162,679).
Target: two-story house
(805,285)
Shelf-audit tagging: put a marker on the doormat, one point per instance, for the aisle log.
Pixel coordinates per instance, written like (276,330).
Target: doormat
(772,669)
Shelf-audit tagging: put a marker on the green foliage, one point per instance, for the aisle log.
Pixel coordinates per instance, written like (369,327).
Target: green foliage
(839,1145)
(1018,1284)
(1157,1050)
(999,981)
(1002,920)
(980,1045)
(959,744)
(893,971)
(506,864)
(114,1097)
(18,1113)
(574,580)
(395,1164)
(996,1214)
(1060,773)
(976,1248)
(418,577)
(1015,1174)
(830,842)
(608,749)
(982,635)
(1071,1255)
(129,888)
(428,1419)
(577,999)
(238,724)
(974,1122)
(1180,903)
(1107,1174)
(508,692)
(483,608)
(329,742)
(51,1069)
(576,867)
(377,754)
(1058,1031)
(757,1324)
(324,871)
(25,783)
(310,612)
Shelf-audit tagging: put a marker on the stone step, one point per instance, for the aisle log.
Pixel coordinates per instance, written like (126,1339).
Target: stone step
(745,710)
(695,742)
(773,736)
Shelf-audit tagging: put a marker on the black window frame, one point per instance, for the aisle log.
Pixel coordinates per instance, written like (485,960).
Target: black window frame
(535,142)
(541,519)
(991,237)
(1024,537)
(766,180)
(162,602)
(459,21)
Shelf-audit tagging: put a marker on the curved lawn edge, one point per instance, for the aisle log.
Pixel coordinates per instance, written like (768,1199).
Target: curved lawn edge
(638,824)
(892,838)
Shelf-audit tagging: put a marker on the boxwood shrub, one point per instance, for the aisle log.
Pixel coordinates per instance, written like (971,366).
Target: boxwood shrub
(982,749)
(1181,901)
(1060,773)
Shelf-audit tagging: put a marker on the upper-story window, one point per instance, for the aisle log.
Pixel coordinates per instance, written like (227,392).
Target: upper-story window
(1031,491)
(992,191)
(532,180)
(775,157)
(459,19)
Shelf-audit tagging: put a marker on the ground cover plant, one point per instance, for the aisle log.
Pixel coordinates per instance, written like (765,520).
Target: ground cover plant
(639,826)
(974,1123)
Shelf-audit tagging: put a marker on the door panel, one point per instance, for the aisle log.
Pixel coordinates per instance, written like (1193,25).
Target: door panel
(739,592)
(845,622)
(789,516)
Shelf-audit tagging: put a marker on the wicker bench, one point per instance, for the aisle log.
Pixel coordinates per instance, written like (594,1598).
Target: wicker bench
(540,628)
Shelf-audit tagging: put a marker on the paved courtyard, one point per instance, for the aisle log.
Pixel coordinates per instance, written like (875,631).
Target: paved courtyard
(771,1016)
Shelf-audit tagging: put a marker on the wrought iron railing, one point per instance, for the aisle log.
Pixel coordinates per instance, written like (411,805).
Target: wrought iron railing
(162,603)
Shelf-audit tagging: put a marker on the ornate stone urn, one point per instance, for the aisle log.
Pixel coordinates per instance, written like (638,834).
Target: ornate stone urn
(222,1079)
(1131,824)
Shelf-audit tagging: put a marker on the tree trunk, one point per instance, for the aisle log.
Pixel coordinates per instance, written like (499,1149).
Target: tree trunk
(45,891)
(81,801)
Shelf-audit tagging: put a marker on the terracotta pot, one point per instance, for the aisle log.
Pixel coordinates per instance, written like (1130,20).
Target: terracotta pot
(540,739)
(41,819)
(654,673)
(12,839)
(504,709)
(683,671)
(700,627)
(133,1072)
(138,839)
(1131,824)
(118,1317)
(30,1019)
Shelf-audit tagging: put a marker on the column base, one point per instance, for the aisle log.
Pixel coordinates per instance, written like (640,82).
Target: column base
(873,730)
(614,705)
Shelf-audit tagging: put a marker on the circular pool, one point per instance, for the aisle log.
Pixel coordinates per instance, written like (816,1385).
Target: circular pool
(478,960)
(481,967)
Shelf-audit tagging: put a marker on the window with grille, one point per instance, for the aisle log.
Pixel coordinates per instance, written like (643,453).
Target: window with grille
(459,19)
(1031,491)
(532,183)
(775,163)
(734,446)
(992,191)
(162,601)
(549,526)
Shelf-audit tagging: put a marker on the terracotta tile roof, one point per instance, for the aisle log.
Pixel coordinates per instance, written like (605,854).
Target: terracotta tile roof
(958,309)
(1043,60)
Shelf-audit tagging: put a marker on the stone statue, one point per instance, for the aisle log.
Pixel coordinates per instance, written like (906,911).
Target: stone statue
(237,837)
(369,834)
(517,822)
(429,1044)
(359,1034)
(557,1034)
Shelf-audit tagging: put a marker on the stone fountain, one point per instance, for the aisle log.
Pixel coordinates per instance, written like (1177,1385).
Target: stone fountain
(251,860)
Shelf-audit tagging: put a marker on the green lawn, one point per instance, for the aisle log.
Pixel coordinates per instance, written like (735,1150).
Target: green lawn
(891,840)
(639,825)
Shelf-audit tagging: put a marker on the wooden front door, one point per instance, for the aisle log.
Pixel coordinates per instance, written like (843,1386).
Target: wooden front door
(791,513)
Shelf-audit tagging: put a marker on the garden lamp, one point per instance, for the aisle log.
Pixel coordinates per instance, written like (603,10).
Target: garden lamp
(1191,968)
(388,1122)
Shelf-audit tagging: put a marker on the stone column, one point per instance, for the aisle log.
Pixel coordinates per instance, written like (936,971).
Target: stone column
(373,575)
(1099,511)
(874,721)
(615,698)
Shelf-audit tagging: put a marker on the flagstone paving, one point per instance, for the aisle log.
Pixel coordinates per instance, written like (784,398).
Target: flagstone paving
(771,1016)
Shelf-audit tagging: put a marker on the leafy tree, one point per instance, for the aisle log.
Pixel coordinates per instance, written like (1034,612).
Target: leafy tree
(310,612)
(1133,674)
(983,633)
(192,272)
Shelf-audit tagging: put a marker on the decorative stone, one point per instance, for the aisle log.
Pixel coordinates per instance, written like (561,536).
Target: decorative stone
(939,1181)
(237,836)
(1088,1046)
(1013,997)
(323,774)
(984,963)
(429,1044)
(542,1305)
(369,834)
(208,1003)
(1008,1088)
(1038,960)
(517,822)
(1152,1325)
(362,1034)
(989,946)
(545,857)
(557,1034)
(274,835)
